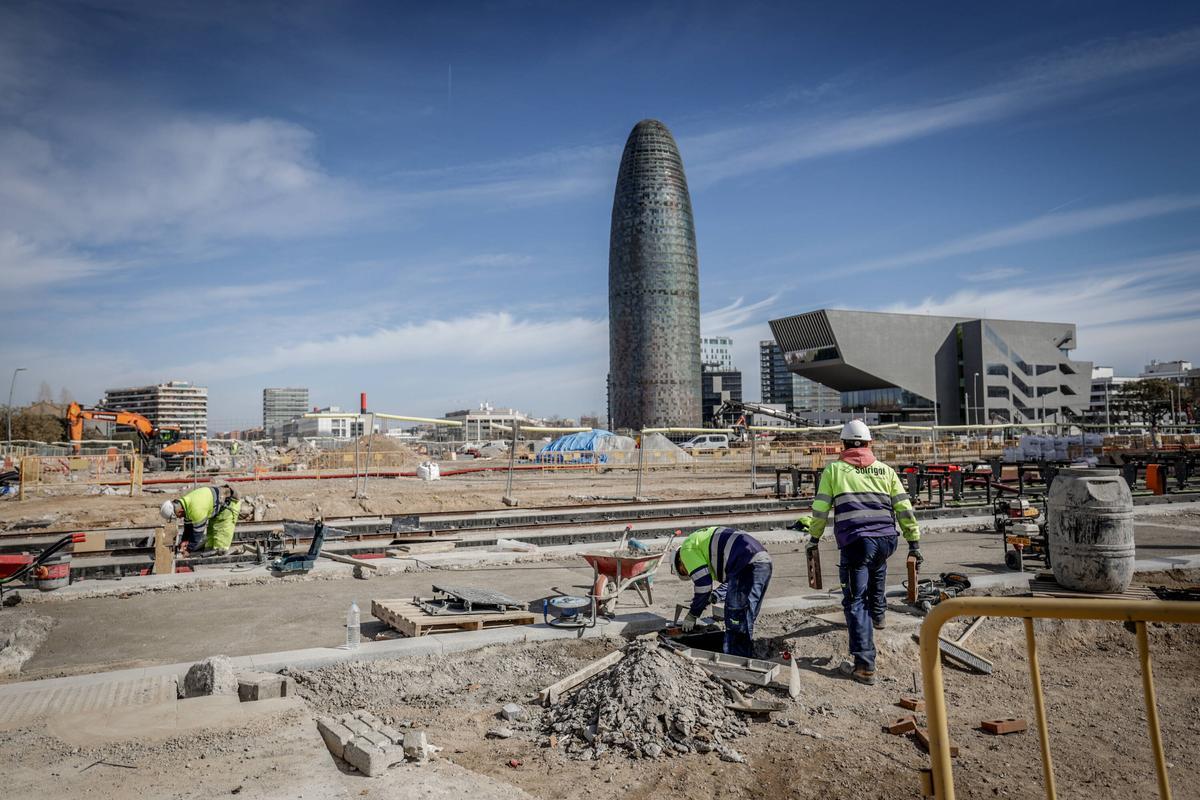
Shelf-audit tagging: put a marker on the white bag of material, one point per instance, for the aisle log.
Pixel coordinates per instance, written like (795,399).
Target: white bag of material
(429,471)
(513,544)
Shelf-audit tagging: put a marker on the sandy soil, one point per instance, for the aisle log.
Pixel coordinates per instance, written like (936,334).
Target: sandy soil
(828,743)
(305,499)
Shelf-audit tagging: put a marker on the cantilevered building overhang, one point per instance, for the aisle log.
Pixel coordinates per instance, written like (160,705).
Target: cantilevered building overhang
(977,370)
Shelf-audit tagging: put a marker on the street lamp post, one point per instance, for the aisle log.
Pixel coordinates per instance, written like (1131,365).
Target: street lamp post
(12,384)
(978,402)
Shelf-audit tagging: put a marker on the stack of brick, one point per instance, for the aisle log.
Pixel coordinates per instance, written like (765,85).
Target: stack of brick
(370,745)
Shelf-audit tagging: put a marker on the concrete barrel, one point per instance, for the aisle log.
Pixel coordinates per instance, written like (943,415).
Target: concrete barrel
(1090,530)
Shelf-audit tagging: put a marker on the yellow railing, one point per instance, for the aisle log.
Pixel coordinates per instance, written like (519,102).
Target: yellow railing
(1139,612)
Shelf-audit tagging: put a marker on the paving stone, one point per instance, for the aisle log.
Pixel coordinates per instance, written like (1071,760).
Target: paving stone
(357,725)
(514,713)
(366,757)
(263,686)
(335,734)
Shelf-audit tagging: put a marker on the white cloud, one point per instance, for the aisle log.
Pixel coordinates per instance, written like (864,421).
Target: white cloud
(1038,84)
(1047,226)
(723,320)
(994,274)
(472,347)
(1125,312)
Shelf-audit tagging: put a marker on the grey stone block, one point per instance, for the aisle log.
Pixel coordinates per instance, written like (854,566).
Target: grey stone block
(213,675)
(514,713)
(359,727)
(263,686)
(336,736)
(416,745)
(366,757)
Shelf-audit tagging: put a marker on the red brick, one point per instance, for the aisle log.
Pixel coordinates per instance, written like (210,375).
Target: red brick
(901,725)
(912,703)
(922,737)
(1002,726)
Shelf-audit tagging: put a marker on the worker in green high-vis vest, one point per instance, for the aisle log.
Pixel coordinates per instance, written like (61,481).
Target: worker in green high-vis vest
(209,515)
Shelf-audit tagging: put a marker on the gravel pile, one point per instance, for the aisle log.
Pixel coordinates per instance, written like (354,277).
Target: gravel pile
(650,704)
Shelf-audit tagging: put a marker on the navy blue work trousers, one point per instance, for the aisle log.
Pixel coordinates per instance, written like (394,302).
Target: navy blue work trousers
(863,572)
(743,598)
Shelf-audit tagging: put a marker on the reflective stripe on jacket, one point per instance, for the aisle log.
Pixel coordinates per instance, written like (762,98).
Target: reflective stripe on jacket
(866,500)
(712,555)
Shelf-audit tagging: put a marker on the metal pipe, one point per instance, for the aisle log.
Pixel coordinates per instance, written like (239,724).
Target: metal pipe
(1027,608)
(637,492)
(1039,708)
(11,385)
(1160,761)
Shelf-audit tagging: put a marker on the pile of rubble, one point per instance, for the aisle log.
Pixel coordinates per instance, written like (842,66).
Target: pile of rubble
(370,745)
(650,704)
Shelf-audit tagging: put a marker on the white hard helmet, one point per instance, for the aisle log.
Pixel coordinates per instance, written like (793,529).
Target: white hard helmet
(167,509)
(856,430)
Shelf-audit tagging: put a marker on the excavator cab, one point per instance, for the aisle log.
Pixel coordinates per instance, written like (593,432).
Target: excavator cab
(165,437)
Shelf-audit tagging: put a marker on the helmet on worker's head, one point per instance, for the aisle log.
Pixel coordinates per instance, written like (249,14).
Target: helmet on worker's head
(856,431)
(680,570)
(167,509)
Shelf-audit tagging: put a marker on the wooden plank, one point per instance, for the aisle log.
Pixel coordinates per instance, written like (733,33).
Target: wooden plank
(408,618)
(92,542)
(164,550)
(549,696)
(341,559)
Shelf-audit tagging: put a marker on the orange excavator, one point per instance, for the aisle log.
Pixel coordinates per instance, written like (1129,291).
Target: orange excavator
(164,447)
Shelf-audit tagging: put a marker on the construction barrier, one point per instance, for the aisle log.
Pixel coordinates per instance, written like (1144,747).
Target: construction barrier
(1139,612)
(106,473)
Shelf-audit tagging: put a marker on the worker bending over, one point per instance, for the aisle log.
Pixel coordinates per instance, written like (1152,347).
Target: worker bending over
(713,556)
(868,503)
(209,516)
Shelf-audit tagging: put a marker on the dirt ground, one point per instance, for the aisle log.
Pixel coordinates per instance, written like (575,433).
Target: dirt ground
(309,499)
(827,743)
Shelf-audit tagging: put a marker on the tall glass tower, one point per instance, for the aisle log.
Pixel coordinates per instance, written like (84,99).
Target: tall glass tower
(653,288)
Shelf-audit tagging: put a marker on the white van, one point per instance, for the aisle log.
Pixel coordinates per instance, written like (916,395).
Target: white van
(707,441)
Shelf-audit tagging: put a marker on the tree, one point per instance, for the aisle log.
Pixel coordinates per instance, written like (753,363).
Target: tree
(1147,401)
(65,398)
(38,427)
(45,393)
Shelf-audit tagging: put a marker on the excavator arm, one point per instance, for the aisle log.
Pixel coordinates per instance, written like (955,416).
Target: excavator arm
(76,414)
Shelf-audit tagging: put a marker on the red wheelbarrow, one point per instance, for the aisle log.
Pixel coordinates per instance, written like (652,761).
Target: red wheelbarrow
(614,571)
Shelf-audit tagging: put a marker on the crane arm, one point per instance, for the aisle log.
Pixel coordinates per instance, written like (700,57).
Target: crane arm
(76,414)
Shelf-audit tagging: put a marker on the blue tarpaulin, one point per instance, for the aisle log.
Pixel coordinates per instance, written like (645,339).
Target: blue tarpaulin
(585,442)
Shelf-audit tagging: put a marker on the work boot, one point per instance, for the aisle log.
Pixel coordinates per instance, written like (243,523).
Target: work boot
(879,624)
(864,675)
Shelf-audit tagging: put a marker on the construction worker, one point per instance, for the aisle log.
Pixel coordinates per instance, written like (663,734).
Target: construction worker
(734,558)
(209,516)
(868,503)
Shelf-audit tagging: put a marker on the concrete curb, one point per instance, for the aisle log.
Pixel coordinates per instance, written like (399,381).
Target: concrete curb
(443,644)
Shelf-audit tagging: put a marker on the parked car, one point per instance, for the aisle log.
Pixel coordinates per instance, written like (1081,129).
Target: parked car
(706,441)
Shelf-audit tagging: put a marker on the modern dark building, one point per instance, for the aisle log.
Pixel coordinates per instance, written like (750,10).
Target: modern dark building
(978,371)
(719,386)
(653,288)
(781,386)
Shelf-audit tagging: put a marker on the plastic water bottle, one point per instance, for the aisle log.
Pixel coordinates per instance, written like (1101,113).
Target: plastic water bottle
(352,632)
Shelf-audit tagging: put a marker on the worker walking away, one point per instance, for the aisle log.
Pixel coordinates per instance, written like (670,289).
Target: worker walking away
(209,516)
(716,556)
(868,504)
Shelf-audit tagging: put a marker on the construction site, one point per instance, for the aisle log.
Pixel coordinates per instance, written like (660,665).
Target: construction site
(908,507)
(517,632)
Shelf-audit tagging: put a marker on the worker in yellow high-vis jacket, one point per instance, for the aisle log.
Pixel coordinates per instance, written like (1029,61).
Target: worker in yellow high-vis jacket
(868,503)
(209,515)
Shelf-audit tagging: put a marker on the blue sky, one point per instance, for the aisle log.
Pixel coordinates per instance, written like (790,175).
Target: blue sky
(413,199)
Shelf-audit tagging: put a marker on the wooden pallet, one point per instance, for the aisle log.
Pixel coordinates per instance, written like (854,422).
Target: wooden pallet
(1044,585)
(408,618)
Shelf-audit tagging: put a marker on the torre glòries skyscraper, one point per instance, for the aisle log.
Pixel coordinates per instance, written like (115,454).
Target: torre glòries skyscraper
(653,288)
